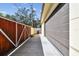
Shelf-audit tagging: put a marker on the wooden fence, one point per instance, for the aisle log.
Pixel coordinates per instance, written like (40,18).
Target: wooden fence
(12,34)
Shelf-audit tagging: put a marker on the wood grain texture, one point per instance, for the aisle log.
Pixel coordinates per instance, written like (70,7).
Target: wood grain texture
(9,28)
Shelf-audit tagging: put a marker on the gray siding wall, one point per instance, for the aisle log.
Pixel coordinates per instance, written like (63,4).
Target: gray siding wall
(57,30)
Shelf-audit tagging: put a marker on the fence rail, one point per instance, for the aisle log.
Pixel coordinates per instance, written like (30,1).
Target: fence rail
(12,34)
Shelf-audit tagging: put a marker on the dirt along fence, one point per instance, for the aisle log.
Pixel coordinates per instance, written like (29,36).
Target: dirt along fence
(12,34)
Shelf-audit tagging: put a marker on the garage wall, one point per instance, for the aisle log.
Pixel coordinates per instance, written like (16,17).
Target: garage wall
(57,29)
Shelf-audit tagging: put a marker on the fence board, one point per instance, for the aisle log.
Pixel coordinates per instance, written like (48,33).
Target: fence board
(13,32)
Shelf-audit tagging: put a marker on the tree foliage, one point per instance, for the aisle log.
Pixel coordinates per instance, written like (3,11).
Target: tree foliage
(1,14)
(24,15)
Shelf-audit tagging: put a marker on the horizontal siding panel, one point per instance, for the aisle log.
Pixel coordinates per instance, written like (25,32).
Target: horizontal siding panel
(57,30)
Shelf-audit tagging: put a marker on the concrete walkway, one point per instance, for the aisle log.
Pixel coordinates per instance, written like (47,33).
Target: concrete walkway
(32,47)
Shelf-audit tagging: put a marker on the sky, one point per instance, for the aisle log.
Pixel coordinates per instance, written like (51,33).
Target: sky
(11,8)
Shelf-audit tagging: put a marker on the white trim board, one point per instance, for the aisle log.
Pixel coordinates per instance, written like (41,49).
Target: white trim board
(48,48)
(18,46)
(7,37)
